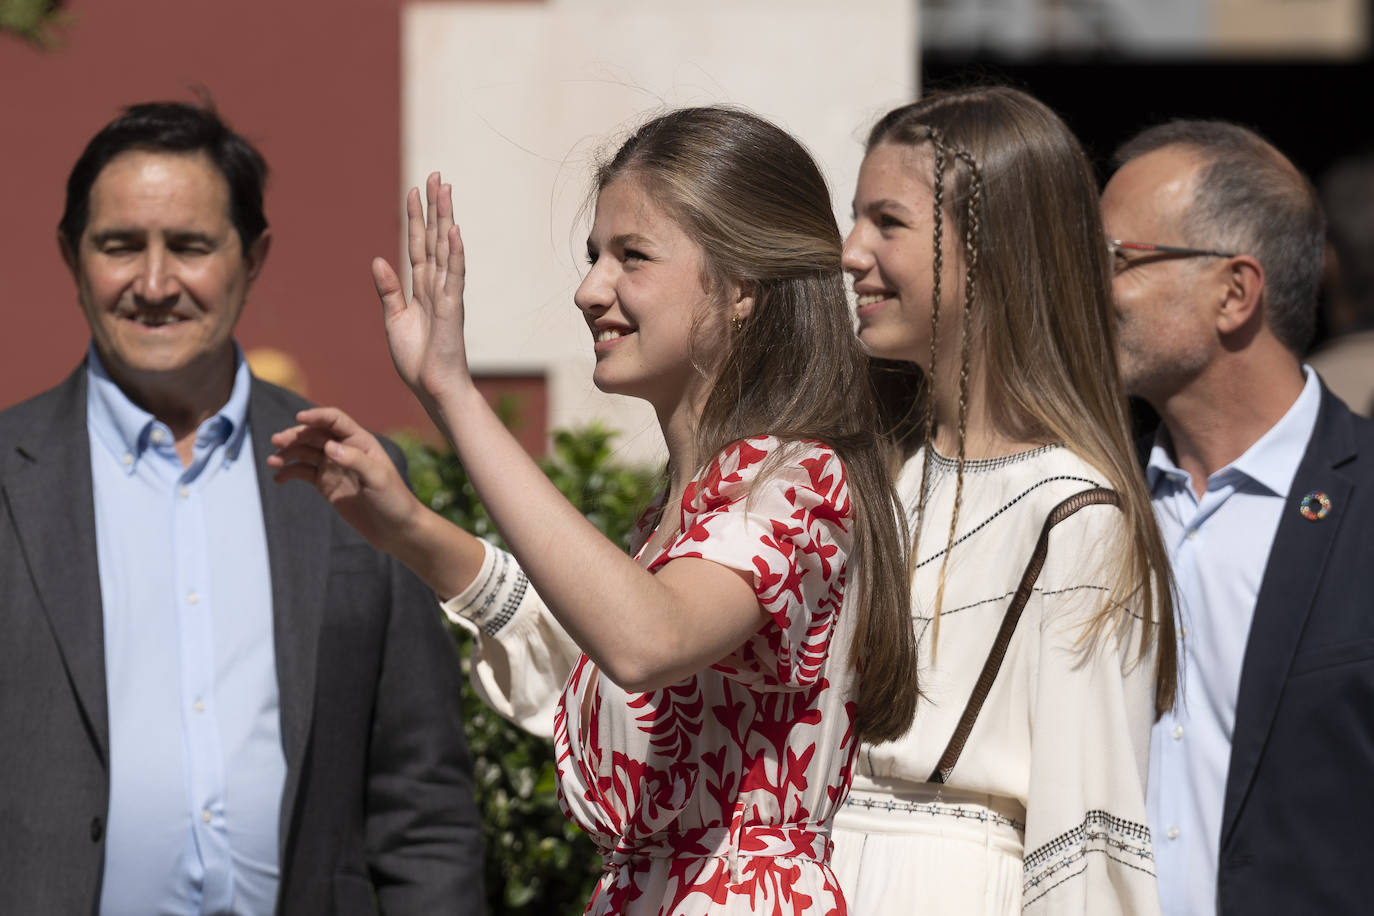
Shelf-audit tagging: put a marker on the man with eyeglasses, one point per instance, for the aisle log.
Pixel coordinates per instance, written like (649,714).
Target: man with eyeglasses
(1260,797)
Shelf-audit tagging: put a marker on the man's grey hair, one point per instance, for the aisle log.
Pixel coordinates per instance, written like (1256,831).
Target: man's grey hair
(1250,199)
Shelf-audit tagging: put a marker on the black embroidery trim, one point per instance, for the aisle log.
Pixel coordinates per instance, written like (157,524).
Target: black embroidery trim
(1045,892)
(497,621)
(998,598)
(486,589)
(487,621)
(1115,837)
(937,809)
(977,465)
(987,521)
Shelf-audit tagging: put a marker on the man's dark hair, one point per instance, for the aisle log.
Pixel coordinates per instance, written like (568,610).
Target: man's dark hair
(1250,199)
(171,127)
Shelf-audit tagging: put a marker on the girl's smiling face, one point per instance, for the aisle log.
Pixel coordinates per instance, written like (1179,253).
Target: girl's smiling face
(890,256)
(644,297)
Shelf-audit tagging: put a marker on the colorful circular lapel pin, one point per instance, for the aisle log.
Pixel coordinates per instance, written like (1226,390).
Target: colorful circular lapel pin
(1315,506)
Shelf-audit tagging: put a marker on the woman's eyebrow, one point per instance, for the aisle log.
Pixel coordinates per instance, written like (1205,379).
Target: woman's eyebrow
(883,203)
(630,240)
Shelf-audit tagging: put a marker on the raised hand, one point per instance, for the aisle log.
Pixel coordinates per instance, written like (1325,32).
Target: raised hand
(346,463)
(426,334)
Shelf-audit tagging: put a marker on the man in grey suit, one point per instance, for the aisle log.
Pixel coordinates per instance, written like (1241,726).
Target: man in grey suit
(215,697)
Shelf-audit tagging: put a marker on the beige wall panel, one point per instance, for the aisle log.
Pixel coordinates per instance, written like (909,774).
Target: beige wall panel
(1291,28)
(514,101)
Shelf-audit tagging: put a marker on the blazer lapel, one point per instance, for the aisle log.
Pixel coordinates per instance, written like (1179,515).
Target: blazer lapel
(1294,571)
(297,526)
(47,481)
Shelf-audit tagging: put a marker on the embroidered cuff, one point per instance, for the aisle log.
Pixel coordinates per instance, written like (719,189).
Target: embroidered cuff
(494,596)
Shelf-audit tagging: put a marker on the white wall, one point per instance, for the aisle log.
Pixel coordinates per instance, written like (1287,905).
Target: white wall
(512,102)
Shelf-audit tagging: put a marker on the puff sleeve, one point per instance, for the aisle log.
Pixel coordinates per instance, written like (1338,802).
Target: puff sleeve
(522,655)
(781,513)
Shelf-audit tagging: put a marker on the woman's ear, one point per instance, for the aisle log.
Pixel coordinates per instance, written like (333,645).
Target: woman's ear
(742,301)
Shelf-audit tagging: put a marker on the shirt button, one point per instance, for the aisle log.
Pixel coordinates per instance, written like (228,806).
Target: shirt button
(205,816)
(128,459)
(1183,632)
(156,437)
(198,706)
(1173,833)
(192,598)
(184,492)
(1192,534)
(1178,732)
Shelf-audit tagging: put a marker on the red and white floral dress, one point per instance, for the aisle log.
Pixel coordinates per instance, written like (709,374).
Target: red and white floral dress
(714,795)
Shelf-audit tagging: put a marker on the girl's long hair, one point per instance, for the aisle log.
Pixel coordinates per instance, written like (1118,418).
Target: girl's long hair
(1038,313)
(751,196)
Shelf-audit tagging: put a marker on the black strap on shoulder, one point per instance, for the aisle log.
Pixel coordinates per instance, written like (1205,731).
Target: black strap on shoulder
(1095,496)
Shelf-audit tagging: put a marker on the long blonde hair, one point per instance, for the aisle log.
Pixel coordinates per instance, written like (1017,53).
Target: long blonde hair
(1023,199)
(751,196)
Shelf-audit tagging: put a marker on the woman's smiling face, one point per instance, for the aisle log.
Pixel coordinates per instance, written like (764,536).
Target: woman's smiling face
(644,297)
(890,256)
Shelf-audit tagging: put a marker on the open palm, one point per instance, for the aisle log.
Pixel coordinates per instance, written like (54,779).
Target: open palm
(425,335)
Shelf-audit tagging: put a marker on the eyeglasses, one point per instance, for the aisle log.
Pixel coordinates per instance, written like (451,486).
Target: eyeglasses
(1117,249)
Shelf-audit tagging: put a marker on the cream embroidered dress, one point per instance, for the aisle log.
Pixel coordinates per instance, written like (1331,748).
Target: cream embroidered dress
(713,795)
(1045,810)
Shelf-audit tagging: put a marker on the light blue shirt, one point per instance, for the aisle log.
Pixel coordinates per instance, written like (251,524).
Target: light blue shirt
(196,761)
(1219,546)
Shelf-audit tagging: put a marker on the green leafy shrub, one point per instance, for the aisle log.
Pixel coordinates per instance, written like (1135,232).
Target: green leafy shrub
(37,21)
(537,862)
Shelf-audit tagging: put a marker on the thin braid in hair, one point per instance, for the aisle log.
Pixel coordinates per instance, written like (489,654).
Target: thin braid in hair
(971,247)
(929,420)
(972,235)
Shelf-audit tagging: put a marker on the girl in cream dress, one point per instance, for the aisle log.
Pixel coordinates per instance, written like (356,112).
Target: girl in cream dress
(978,263)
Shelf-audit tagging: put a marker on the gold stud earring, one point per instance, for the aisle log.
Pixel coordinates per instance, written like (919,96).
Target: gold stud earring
(736,323)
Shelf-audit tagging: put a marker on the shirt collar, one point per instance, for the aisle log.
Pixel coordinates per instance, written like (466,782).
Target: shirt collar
(126,429)
(1271,461)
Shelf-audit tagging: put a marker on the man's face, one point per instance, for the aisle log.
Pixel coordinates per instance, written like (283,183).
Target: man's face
(1166,331)
(160,271)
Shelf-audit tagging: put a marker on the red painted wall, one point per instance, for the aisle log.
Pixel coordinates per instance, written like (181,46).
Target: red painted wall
(314,83)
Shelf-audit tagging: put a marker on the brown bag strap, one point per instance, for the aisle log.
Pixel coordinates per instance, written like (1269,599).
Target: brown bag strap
(1095,496)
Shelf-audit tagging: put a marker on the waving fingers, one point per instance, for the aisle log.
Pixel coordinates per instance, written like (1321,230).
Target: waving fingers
(415,234)
(333,421)
(457,265)
(448,255)
(443,212)
(388,289)
(431,217)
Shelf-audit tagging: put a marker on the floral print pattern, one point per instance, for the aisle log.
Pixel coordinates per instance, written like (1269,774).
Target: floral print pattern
(715,794)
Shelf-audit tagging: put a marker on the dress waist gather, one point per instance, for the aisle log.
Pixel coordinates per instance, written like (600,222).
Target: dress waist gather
(801,841)
(912,806)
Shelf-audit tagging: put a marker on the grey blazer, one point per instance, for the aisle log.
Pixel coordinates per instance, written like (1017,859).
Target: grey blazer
(377,812)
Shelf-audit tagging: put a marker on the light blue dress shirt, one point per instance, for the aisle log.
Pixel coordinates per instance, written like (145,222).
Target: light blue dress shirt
(1219,546)
(196,761)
